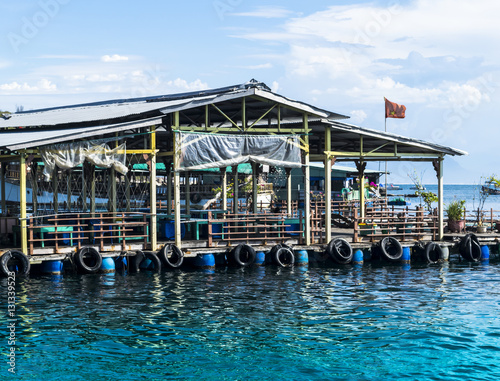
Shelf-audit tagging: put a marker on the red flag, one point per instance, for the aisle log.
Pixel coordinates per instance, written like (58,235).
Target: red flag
(393,110)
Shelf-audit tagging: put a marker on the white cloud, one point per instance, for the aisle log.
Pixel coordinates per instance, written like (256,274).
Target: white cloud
(182,84)
(114,58)
(44,85)
(357,116)
(266,12)
(275,87)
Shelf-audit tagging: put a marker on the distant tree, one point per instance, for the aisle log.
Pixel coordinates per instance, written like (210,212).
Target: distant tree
(19,108)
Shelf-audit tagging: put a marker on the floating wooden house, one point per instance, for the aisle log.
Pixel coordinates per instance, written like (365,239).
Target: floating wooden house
(88,174)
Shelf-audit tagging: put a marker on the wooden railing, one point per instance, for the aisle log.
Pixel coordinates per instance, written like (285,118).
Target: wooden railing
(84,229)
(250,227)
(401,223)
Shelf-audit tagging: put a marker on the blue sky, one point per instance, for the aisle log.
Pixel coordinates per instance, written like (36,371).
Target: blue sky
(439,58)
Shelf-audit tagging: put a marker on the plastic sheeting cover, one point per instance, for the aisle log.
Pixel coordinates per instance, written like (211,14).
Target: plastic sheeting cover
(70,155)
(202,151)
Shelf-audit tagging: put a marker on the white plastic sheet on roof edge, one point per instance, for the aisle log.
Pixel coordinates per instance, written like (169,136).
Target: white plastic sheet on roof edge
(71,155)
(203,151)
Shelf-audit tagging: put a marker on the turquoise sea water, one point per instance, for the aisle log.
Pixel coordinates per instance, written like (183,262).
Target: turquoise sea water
(424,322)
(469,193)
(437,322)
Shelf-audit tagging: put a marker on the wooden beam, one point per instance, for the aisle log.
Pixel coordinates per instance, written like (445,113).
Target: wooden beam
(177,183)
(307,182)
(328,185)
(22,199)
(153,231)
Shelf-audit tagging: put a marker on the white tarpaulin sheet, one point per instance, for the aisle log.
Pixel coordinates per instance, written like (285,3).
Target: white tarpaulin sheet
(202,151)
(66,156)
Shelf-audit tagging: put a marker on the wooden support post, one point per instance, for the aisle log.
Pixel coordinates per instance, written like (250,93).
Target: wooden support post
(307,182)
(112,187)
(92,190)
(2,178)
(177,182)
(328,185)
(360,165)
(127,191)
(224,188)
(153,231)
(34,187)
(68,190)
(438,167)
(55,187)
(255,181)
(188,193)
(235,189)
(22,199)
(83,206)
(289,191)
(169,191)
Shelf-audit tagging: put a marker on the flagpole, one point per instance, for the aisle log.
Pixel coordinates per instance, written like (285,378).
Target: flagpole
(385,130)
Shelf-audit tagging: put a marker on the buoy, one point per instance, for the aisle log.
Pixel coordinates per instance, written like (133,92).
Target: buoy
(260,258)
(406,257)
(357,258)
(108,265)
(445,253)
(204,261)
(301,258)
(51,267)
(485,253)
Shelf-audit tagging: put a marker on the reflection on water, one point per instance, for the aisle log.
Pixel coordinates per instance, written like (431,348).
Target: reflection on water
(356,323)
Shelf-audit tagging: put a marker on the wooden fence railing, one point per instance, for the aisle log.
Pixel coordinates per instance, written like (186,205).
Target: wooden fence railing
(79,230)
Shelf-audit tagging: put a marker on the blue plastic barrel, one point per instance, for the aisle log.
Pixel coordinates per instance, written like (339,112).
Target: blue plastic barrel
(108,265)
(51,267)
(204,261)
(358,257)
(260,258)
(301,258)
(485,253)
(168,230)
(406,257)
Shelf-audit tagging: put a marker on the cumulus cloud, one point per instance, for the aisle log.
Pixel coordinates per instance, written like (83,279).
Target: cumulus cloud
(44,85)
(357,116)
(114,58)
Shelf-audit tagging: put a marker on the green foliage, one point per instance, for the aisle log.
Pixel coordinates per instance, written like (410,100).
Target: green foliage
(428,198)
(455,210)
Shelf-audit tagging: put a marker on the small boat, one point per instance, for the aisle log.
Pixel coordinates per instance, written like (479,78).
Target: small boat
(419,187)
(491,187)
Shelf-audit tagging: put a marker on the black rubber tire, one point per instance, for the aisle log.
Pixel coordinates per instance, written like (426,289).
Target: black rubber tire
(433,252)
(391,249)
(22,262)
(81,260)
(195,198)
(242,255)
(283,257)
(135,261)
(171,256)
(275,248)
(154,260)
(469,248)
(340,251)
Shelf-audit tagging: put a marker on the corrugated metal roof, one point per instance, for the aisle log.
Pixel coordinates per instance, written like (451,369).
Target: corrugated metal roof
(115,109)
(22,138)
(417,145)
